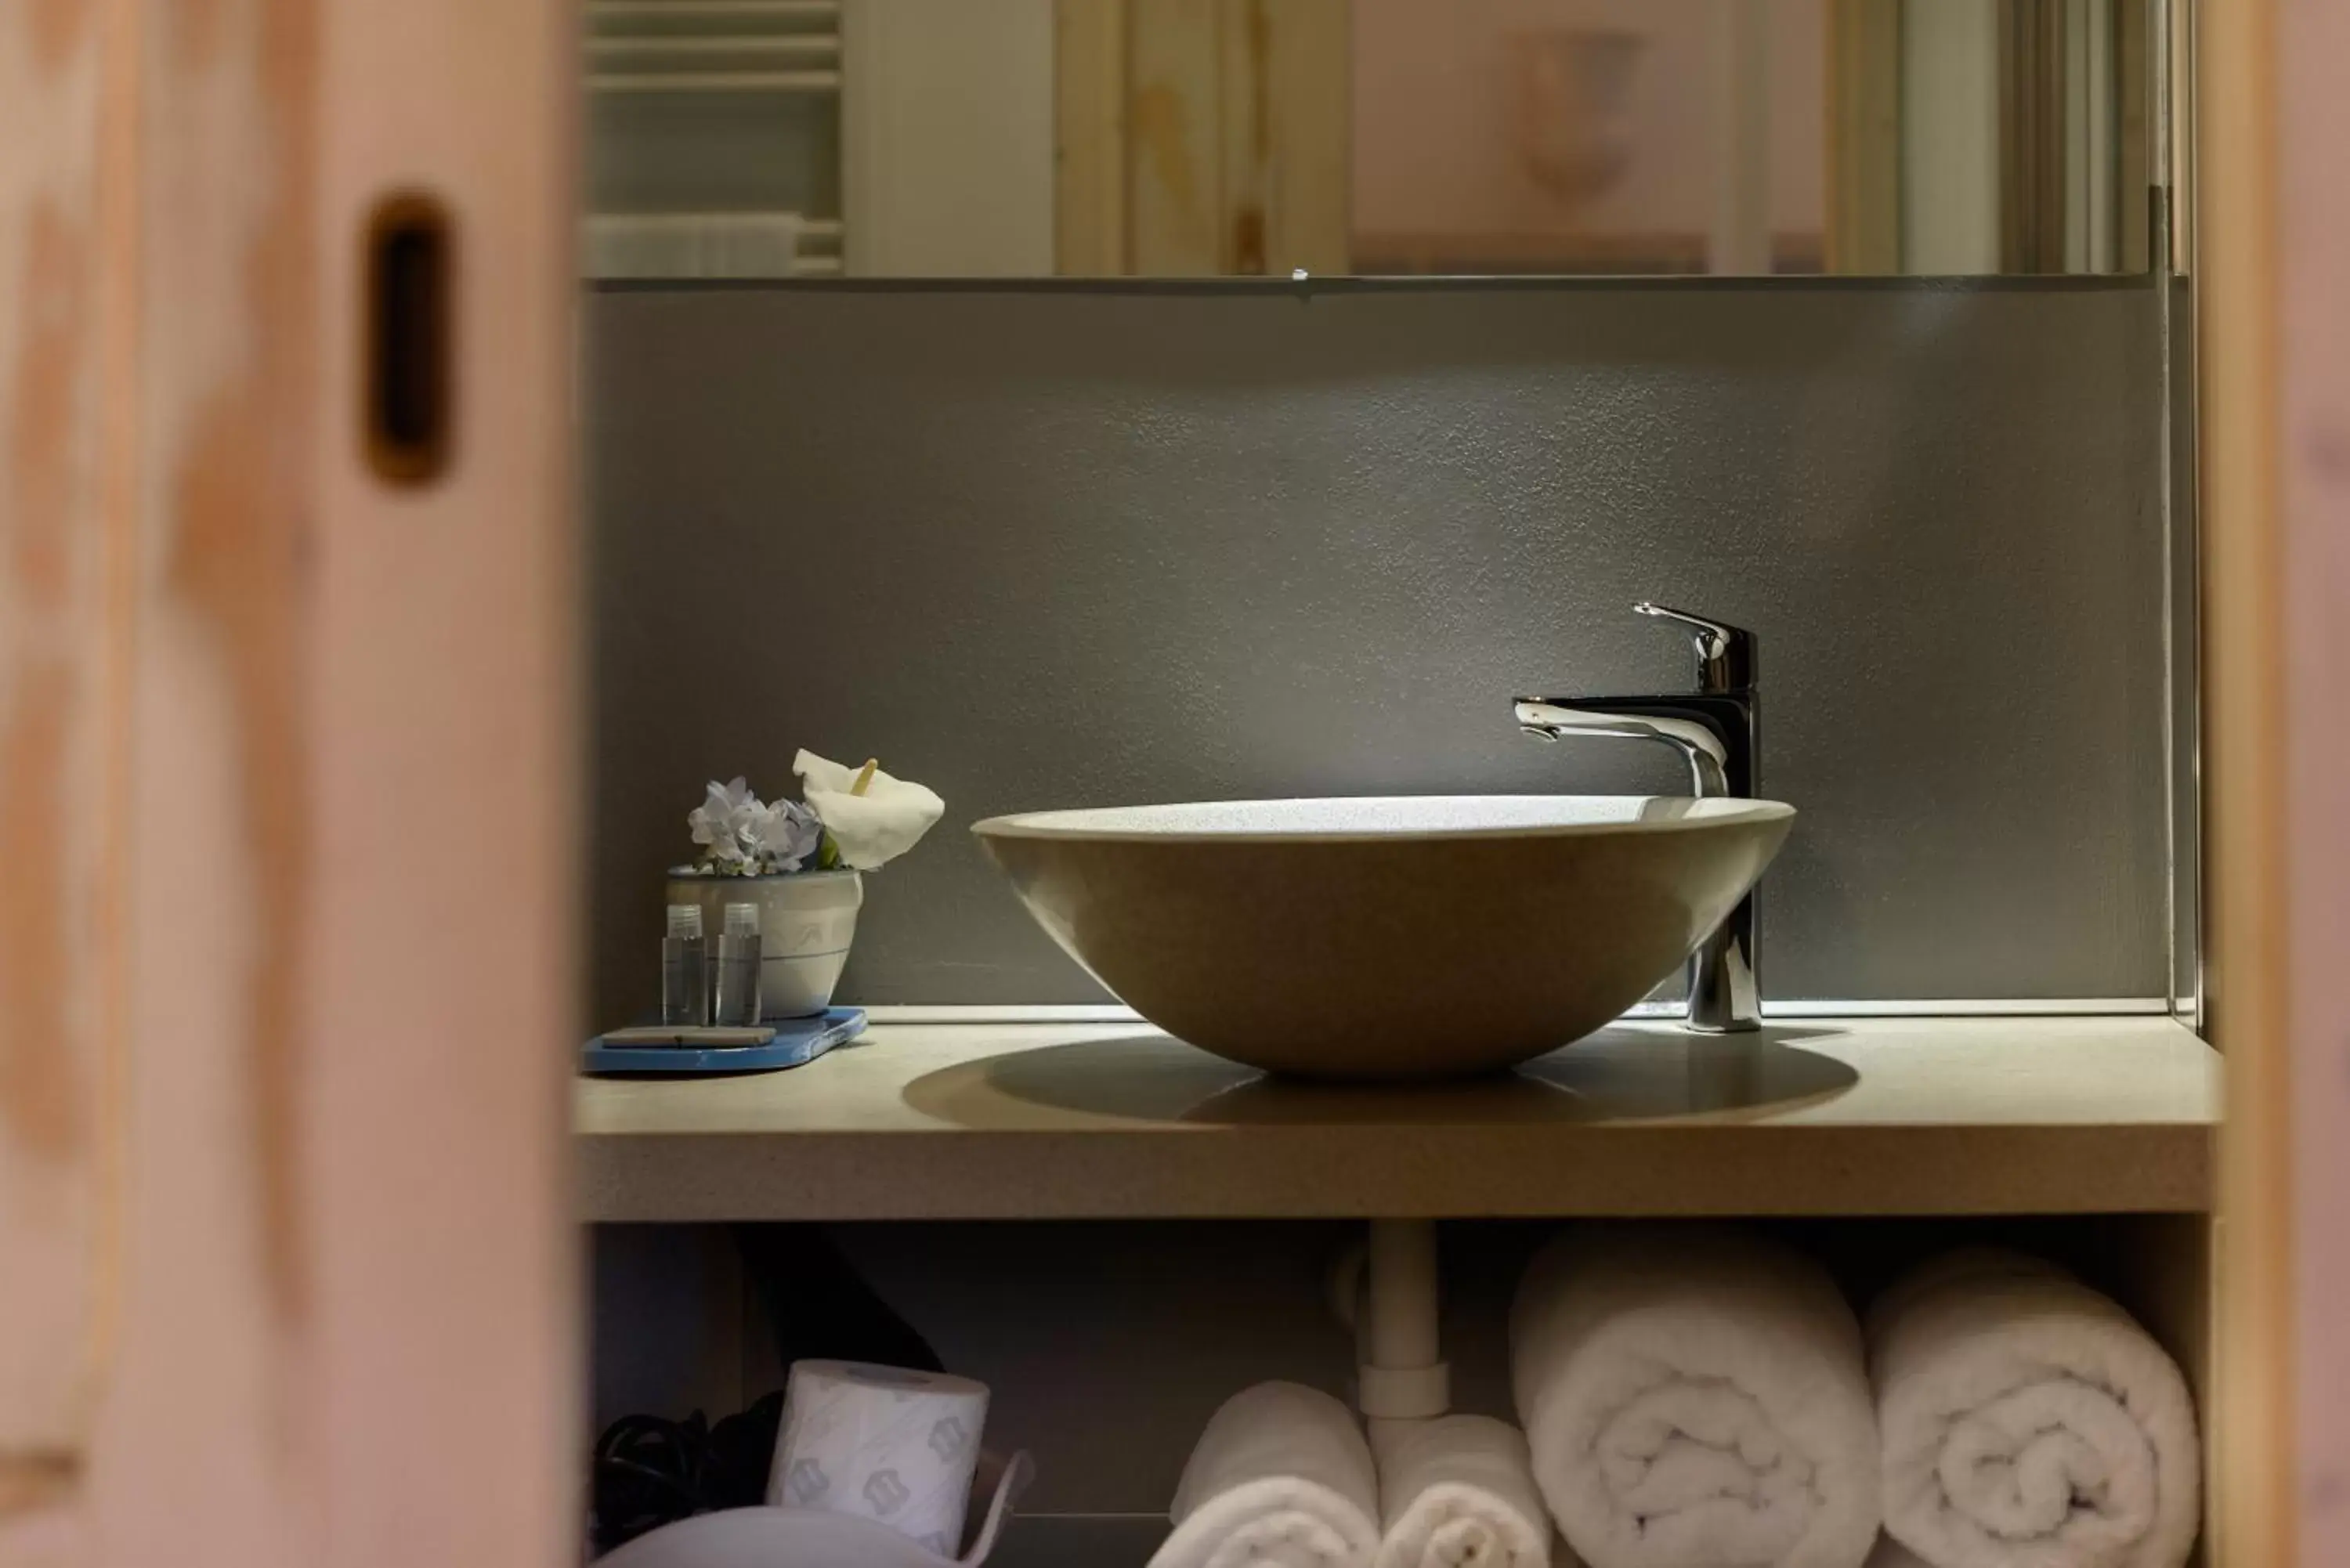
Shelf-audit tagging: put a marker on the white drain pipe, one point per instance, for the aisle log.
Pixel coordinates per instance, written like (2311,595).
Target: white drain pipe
(1389,1295)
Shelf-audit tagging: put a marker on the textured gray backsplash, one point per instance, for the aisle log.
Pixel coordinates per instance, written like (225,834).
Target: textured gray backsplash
(1044,548)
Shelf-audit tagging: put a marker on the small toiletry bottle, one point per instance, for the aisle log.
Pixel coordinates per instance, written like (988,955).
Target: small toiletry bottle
(685,969)
(738,967)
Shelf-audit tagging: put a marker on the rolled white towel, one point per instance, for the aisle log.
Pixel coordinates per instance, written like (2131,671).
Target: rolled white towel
(1282,1479)
(2029,1422)
(1695,1399)
(1458,1492)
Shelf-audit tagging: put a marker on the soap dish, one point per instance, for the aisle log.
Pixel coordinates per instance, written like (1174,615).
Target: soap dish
(798,1040)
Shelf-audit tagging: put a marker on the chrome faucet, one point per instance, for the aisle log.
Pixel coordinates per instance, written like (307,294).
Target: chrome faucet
(1715,728)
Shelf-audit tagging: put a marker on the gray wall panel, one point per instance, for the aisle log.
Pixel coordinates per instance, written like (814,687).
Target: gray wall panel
(1058,548)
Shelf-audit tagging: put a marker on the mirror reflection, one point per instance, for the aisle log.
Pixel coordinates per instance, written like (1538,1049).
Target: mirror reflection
(771,138)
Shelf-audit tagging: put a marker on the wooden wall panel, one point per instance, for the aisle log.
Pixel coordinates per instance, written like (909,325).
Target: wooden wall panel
(1204,137)
(2033,76)
(294,1238)
(1864,136)
(1308,73)
(208,1447)
(2312,436)
(1245,102)
(2253,1505)
(65,166)
(1175,138)
(1089,138)
(2273,258)
(2137,125)
(446,680)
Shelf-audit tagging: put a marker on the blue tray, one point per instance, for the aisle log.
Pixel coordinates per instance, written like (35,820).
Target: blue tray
(797,1041)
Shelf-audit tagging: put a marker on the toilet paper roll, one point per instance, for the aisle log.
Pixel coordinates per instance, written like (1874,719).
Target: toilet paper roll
(881,1443)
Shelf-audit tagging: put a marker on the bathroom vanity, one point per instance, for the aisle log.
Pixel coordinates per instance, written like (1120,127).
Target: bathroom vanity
(1158,1224)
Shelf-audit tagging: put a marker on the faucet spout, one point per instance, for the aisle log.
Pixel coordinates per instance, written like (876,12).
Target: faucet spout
(1700,740)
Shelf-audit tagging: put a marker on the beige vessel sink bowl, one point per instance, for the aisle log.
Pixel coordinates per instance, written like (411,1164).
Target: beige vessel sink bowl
(1412,937)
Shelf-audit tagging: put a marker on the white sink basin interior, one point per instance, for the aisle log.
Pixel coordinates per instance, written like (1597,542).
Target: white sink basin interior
(1387,937)
(1370,816)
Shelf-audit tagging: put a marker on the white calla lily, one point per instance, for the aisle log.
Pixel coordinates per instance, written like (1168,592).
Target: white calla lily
(872,826)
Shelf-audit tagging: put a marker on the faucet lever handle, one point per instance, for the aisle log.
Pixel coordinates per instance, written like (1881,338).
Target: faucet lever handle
(1725,653)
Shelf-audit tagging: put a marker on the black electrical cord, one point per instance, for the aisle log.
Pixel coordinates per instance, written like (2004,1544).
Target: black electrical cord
(650,1471)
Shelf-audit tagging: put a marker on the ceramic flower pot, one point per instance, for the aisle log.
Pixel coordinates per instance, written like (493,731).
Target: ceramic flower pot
(806,921)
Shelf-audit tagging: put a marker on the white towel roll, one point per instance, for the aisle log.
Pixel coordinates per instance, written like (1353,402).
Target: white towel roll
(1281,1479)
(1695,1398)
(1458,1492)
(2029,1422)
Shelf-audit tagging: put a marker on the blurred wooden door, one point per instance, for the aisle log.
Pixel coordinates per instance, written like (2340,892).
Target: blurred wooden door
(2272,280)
(287,782)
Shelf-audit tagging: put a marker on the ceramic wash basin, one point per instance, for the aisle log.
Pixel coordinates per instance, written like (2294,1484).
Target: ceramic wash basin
(1408,937)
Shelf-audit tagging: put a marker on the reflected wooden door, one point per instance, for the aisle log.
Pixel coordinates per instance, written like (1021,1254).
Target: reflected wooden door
(287,755)
(1202,138)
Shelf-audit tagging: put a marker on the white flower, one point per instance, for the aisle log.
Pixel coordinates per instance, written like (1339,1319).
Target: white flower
(874,828)
(726,824)
(788,834)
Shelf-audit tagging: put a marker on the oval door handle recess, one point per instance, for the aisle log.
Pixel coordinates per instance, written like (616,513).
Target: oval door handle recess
(411,309)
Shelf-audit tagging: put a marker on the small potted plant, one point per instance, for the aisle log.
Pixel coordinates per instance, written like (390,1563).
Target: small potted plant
(801,863)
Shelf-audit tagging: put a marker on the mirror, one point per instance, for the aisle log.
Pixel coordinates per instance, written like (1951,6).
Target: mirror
(809,139)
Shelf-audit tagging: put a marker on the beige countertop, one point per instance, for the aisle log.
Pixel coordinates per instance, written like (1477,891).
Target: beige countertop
(1014,1120)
